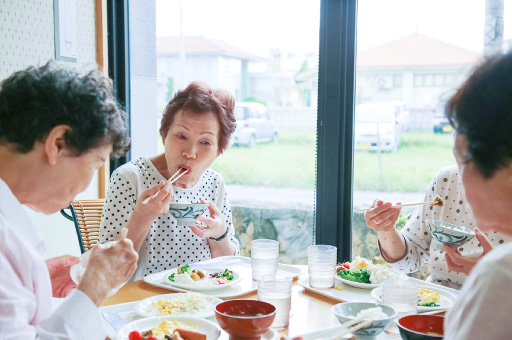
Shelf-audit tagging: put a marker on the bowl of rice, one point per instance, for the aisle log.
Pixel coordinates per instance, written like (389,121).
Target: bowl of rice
(379,313)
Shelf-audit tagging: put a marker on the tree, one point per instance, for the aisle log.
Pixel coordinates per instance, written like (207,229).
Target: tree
(170,88)
(494,27)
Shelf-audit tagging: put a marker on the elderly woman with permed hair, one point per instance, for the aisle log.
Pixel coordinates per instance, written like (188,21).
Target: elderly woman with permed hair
(195,129)
(57,127)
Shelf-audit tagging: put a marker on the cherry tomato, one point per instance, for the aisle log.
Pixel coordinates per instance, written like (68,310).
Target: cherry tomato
(135,335)
(152,338)
(345,265)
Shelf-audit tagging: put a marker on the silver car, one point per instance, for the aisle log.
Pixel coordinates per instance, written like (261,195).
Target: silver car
(253,125)
(378,126)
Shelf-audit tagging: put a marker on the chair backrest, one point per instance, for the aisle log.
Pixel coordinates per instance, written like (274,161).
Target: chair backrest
(86,214)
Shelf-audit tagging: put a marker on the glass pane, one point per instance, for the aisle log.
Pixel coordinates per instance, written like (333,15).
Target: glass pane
(432,48)
(269,61)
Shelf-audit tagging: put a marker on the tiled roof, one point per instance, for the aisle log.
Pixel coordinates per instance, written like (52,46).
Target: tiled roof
(416,50)
(199,45)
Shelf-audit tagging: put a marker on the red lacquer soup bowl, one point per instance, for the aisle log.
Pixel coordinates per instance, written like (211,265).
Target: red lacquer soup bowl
(245,319)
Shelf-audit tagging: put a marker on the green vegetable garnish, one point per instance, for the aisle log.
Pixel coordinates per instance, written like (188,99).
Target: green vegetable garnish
(428,304)
(362,275)
(226,274)
(185,269)
(171,277)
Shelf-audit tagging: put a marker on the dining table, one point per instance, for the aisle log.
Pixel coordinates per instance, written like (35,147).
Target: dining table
(310,309)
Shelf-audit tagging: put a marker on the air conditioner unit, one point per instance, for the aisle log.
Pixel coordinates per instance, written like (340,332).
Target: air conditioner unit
(384,82)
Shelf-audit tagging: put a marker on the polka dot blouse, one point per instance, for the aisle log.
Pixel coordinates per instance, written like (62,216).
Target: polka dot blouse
(455,210)
(167,244)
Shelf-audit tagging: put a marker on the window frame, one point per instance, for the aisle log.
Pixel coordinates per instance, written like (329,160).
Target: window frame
(119,62)
(335,125)
(335,120)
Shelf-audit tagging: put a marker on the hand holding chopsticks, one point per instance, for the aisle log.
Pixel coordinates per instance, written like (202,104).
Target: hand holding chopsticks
(437,201)
(173,179)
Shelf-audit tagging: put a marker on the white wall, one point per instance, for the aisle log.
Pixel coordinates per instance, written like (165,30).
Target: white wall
(27,33)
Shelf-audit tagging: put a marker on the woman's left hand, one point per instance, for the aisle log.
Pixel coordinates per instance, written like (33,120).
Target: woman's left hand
(213,226)
(59,268)
(456,262)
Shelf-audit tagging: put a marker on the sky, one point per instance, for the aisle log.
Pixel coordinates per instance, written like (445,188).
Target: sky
(258,26)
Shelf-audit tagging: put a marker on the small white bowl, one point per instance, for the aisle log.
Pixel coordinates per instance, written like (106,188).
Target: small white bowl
(450,234)
(78,269)
(347,311)
(185,213)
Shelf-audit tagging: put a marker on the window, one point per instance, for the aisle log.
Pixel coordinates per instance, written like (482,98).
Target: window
(269,62)
(435,57)
(397,80)
(419,80)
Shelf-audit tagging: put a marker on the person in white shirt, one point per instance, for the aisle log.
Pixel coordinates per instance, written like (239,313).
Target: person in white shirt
(195,129)
(481,113)
(406,250)
(57,127)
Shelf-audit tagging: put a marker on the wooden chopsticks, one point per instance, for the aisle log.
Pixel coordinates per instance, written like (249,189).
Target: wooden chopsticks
(437,201)
(173,179)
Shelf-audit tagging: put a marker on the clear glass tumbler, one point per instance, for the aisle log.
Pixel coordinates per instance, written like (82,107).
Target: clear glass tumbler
(277,290)
(322,266)
(264,257)
(402,296)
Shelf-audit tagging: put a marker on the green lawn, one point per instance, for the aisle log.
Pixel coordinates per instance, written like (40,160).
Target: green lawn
(410,169)
(291,163)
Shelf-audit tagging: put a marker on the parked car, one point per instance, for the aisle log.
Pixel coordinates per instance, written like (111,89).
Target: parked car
(253,125)
(441,123)
(379,124)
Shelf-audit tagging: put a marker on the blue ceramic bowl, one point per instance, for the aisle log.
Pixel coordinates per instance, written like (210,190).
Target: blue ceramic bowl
(448,233)
(185,213)
(347,311)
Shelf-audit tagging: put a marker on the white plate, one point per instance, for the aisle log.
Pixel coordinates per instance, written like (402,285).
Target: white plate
(204,326)
(358,284)
(76,271)
(146,308)
(366,285)
(447,299)
(270,335)
(200,285)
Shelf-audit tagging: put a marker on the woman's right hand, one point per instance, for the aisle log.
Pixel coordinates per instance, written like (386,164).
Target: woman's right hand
(381,217)
(110,265)
(157,205)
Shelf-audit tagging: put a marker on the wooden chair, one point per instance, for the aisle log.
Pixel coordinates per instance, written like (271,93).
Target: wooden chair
(86,215)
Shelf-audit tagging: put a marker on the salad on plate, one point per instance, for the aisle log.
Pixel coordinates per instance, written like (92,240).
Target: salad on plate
(363,273)
(189,277)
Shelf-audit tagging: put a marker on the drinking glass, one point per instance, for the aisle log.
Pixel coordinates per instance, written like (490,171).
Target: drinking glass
(322,266)
(264,257)
(402,296)
(277,290)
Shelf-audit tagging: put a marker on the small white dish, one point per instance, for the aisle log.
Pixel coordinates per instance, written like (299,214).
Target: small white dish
(77,270)
(203,285)
(447,299)
(210,329)
(146,308)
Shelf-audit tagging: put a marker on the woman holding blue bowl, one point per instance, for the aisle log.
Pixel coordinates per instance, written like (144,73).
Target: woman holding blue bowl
(195,129)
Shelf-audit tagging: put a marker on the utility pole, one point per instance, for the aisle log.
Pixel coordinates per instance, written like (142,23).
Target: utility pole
(183,63)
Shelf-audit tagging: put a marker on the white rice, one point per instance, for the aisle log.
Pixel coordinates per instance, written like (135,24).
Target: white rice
(374,313)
